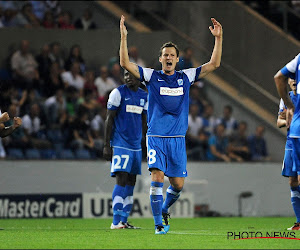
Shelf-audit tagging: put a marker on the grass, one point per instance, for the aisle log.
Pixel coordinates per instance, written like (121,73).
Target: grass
(198,233)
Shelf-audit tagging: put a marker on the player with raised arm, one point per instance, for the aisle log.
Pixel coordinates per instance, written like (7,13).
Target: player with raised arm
(291,70)
(287,166)
(168,118)
(124,124)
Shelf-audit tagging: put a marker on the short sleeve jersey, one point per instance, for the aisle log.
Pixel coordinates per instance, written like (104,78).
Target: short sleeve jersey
(127,130)
(168,100)
(288,145)
(292,70)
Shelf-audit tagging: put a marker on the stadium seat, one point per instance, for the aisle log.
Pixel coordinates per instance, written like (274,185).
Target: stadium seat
(82,154)
(32,153)
(48,154)
(66,154)
(5,74)
(58,147)
(15,153)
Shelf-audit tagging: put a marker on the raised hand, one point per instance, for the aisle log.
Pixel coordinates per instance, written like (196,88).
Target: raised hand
(4,117)
(217,30)
(282,114)
(17,122)
(123,29)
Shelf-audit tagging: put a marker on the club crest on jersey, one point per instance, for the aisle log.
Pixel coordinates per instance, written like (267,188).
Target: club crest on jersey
(180,82)
(142,102)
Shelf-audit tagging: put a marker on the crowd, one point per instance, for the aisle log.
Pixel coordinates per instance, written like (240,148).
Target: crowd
(63,103)
(63,107)
(42,14)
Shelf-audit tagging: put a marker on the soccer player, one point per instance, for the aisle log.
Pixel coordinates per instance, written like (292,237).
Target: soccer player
(287,166)
(292,70)
(168,118)
(124,124)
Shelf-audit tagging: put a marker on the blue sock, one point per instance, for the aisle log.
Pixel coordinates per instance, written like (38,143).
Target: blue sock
(128,202)
(156,198)
(118,200)
(172,196)
(295,198)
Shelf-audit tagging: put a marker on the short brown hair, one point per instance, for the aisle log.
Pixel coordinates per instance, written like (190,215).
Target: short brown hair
(169,45)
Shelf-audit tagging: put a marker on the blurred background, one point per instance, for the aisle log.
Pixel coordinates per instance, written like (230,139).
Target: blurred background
(59,61)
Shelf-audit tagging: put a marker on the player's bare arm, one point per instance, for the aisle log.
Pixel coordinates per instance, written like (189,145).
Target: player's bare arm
(4,117)
(281,122)
(6,131)
(215,60)
(124,57)
(109,121)
(281,85)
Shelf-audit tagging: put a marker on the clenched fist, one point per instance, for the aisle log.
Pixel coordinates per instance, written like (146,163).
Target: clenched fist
(4,117)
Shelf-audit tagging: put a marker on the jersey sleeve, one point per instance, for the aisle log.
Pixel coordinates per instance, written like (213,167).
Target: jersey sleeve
(289,70)
(145,74)
(192,74)
(114,100)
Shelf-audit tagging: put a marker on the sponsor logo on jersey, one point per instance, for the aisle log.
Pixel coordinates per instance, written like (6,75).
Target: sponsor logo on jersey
(171,91)
(134,109)
(142,102)
(180,82)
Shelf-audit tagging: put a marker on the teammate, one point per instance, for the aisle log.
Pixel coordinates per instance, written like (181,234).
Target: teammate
(287,166)
(292,70)
(168,118)
(125,121)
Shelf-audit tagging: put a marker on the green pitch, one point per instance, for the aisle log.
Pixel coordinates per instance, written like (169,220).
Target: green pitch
(207,233)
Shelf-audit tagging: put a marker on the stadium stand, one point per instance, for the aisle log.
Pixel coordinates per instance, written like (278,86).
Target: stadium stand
(67,107)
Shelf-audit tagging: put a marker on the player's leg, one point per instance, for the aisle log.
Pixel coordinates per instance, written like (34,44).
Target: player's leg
(295,199)
(173,192)
(134,168)
(157,166)
(120,167)
(118,199)
(176,171)
(156,199)
(128,201)
(172,195)
(293,179)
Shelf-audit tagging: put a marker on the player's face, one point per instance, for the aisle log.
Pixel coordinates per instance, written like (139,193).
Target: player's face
(292,84)
(168,60)
(130,80)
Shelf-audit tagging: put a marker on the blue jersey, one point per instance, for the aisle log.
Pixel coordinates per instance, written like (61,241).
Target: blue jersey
(127,130)
(288,145)
(168,100)
(292,70)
